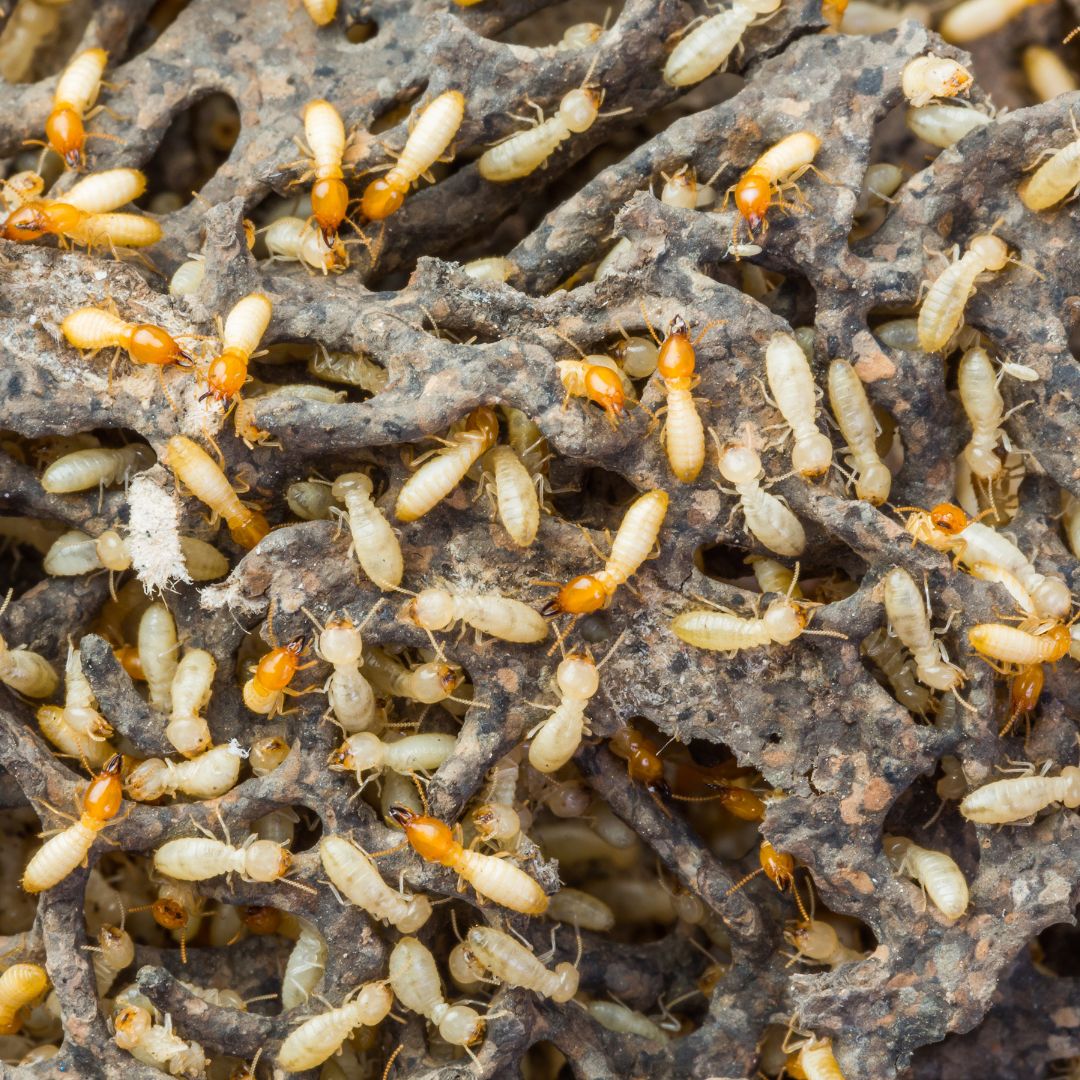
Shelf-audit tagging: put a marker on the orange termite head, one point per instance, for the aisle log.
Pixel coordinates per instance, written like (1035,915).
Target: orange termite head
(742,804)
(168,913)
(604,387)
(676,359)
(949,518)
(779,867)
(484,421)
(105,793)
(578,596)
(329,204)
(226,375)
(1062,640)
(27,223)
(341,758)
(148,344)
(278,666)
(381,198)
(259,919)
(429,836)
(66,135)
(1027,686)
(753,193)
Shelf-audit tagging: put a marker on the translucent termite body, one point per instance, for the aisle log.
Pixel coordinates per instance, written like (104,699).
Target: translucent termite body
(638,533)
(349,693)
(319,1038)
(511,962)
(158,647)
(205,776)
(291,239)
(415,981)
(581,909)
(707,47)
(196,470)
(20,985)
(782,164)
(889,655)
(719,631)
(555,740)
(191,686)
(617,1017)
(817,942)
(1020,797)
(598,379)
(325,134)
(305,966)
(769,519)
(354,875)
(365,752)
(114,951)
(880,182)
(428,683)
(935,871)
(1016,646)
(26,672)
(684,434)
(972,19)
(60,854)
(76,91)
(83,470)
(1055,179)
(496,879)
(792,385)
(909,621)
(847,398)
(432,133)
(499,616)
(516,498)
(773,576)
(943,125)
(437,477)
(310,500)
(977,382)
(197,858)
(244,328)
(156,1044)
(495,268)
(929,77)
(942,310)
(863,17)
(525,152)
(374,542)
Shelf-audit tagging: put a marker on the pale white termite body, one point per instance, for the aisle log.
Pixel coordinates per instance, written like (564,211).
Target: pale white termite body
(246,324)
(938,874)
(580,909)
(977,383)
(516,498)
(497,819)
(80,81)
(310,500)
(156,1044)
(942,310)
(188,277)
(928,77)
(910,622)
(205,776)
(305,966)
(80,707)
(158,646)
(291,239)
(555,740)
(415,981)
(773,576)
(197,858)
(1055,179)
(316,1039)
(107,190)
(769,519)
(86,469)
(972,19)
(720,631)
(1047,73)
(27,672)
(74,553)
(365,752)
(943,125)
(114,951)
(792,384)
(492,269)
(374,542)
(850,406)
(819,943)
(491,613)
(880,182)
(355,876)
(76,744)
(617,1017)
(708,46)
(349,694)
(1019,797)
(864,17)
(324,131)
(511,962)
(191,686)
(637,534)
(432,133)
(428,683)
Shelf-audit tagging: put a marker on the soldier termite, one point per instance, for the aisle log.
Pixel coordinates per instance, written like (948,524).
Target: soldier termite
(25,672)
(432,133)
(910,622)
(972,19)
(319,1037)
(437,477)
(374,542)
(792,385)
(1048,75)
(499,616)
(205,776)
(597,378)
(707,47)
(291,239)
(495,879)
(92,329)
(1020,797)
(158,647)
(73,99)
(643,764)
(1056,179)
(778,867)
(365,752)
(935,871)
(512,963)
(265,691)
(69,223)
(244,328)
(325,134)
(428,683)
(20,985)
(60,854)
(847,398)
(943,125)
(516,497)
(615,1016)
(195,469)
(138,1032)
(928,77)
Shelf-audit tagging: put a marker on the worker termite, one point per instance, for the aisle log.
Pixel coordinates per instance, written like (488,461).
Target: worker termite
(244,328)
(158,647)
(1048,75)
(114,951)
(767,517)
(23,671)
(291,239)
(325,134)
(634,541)
(60,854)
(74,96)
(489,613)
(615,1016)
(74,553)
(205,776)
(977,383)
(349,694)
(580,910)
(935,871)
(909,621)
(813,1059)
(20,985)
(431,134)
(191,686)
(416,984)
(972,19)
(138,1032)
(1020,797)
(929,77)
(942,310)
(512,963)
(792,384)
(428,683)
(817,942)
(773,576)
(777,169)
(195,469)
(516,498)
(889,655)
(493,878)
(1013,645)
(319,1037)
(864,17)
(68,741)
(374,542)
(86,469)
(1057,178)
(708,46)
(197,858)
(943,125)
(437,477)
(305,966)
(847,398)
(365,752)
(80,708)
(492,269)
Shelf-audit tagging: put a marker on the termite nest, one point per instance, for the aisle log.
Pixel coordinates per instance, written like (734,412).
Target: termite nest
(540,541)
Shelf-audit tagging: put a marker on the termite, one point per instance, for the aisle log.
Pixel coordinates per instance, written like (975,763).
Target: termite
(114,951)
(864,17)
(943,125)
(80,707)
(1016,646)
(365,752)
(880,182)
(792,385)
(432,133)
(817,942)
(892,659)
(429,683)
(158,647)
(195,469)
(977,383)
(596,378)
(20,985)
(76,91)
(773,576)
(319,1037)
(69,741)
(778,168)
(311,500)
(489,613)
(1019,797)
(497,820)
(1048,75)
(493,878)
(305,966)
(935,871)
(291,239)
(767,517)
(643,764)
(197,858)
(416,984)
(942,310)
(374,542)
(92,329)
(683,435)
(847,398)
(929,77)
(708,46)
(972,19)
(325,134)
(74,553)
(512,963)
(516,498)
(60,854)
(24,671)
(813,1059)
(634,541)
(244,328)
(191,686)
(615,1016)
(638,356)
(581,910)
(322,12)
(437,477)
(69,223)
(1057,178)
(909,621)
(83,470)
(265,691)
(349,694)
(204,776)
(555,740)
(156,1044)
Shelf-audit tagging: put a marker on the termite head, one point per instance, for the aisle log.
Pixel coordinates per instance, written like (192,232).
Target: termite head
(739,463)
(226,375)
(132,1024)
(753,193)
(814,939)
(993,251)
(676,359)
(1060,636)
(340,643)
(432,609)
(429,837)
(267,753)
(1052,596)
(577,677)
(680,190)
(435,681)
(27,223)
(354,481)
(779,867)
(361,752)
(149,344)
(461,1025)
(168,913)
(948,518)
(106,791)
(259,919)
(742,804)
(278,666)
(604,388)
(784,620)
(485,423)
(983,463)
(579,596)
(117,945)
(266,861)
(579,108)
(66,135)
(329,203)
(113,551)
(382,198)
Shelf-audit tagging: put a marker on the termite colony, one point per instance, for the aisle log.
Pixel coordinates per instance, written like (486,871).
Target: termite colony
(572,573)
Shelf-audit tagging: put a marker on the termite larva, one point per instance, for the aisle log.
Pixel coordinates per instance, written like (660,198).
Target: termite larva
(769,519)
(365,752)
(1019,797)
(416,984)
(20,985)
(976,381)
(156,1044)
(929,77)
(638,356)
(374,542)
(325,134)
(432,133)
(158,647)
(204,776)
(935,871)
(554,741)
(496,879)
(617,1017)
(511,962)
(847,398)
(516,500)
(195,469)
(779,167)
(490,613)
(60,854)
(909,620)
(76,91)
(291,239)
(305,966)
(683,434)
(321,1036)
(1048,75)
(196,858)
(708,46)
(311,500)
(943,125)
(244,328)
(436,478)
(942,310)
(972,19)
(428,683)
(1057,178)
(879,183)
(86,469)
(892,659)
(792,384)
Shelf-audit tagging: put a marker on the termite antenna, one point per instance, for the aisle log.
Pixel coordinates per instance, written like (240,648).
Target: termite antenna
(743,882)
(390,1061)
